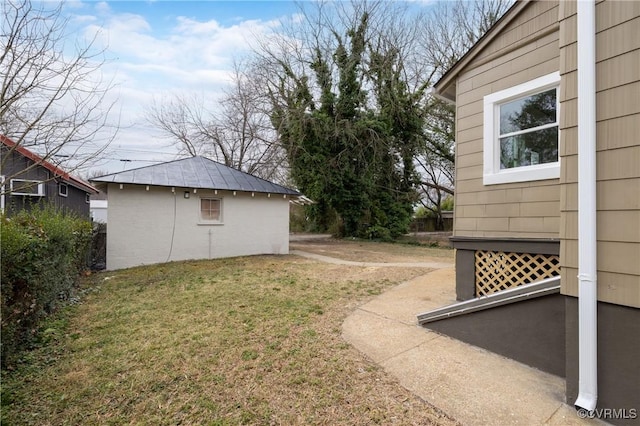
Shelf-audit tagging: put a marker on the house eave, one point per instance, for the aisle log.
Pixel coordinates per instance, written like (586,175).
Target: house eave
(103,185)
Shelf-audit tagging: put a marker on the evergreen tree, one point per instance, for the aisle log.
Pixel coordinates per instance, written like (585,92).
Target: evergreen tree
(351,149)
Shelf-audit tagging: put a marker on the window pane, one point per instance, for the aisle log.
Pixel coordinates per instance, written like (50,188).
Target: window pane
(529,112)
(31,187)
(210,209)
(527,149)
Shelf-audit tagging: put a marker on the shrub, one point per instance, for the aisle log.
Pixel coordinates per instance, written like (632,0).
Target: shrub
(447,204)
(378,233)
(422,212)
(43,252)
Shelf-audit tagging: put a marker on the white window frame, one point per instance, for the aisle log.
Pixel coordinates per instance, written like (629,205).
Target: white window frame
(66,189)
(202,221)
(2,179)
(492,174)
(87,198)
(28,194)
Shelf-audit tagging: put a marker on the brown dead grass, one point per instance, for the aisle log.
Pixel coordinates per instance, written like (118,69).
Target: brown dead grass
(365,251)
(236,341)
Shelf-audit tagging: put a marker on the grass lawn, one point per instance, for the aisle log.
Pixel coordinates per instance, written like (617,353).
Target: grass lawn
(253,340)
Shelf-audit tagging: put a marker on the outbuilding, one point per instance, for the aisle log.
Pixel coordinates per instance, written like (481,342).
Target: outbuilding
(193,208)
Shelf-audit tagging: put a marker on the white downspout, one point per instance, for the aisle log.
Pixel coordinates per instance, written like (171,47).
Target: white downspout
(587,240)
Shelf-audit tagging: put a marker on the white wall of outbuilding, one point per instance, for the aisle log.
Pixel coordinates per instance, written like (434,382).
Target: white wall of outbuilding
(150,224)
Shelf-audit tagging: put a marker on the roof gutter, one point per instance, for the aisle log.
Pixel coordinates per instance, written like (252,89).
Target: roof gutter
(587,240)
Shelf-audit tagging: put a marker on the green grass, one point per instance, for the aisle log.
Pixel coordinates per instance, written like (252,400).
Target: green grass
(235,341)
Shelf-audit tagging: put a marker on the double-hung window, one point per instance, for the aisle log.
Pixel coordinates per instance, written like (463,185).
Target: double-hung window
(521,132)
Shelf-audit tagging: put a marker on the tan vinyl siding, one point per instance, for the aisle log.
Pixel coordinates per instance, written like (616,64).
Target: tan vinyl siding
(526,49)
(537,17)
(611,196)
(613,257)
(618,157)
(624,285)
(618,132)
(473,82)
(522,68)
(470,122)
(609,229)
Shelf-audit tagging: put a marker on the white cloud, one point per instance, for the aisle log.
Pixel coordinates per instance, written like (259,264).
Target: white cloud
(74,4)
(190,26)
(191,52)
(103,8)
(83,19)
(190,56)
(297,18)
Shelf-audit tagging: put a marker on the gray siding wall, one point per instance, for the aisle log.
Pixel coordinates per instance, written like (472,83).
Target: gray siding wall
(13,166)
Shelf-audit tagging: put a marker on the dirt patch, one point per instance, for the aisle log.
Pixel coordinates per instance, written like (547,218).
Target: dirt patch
(366,251)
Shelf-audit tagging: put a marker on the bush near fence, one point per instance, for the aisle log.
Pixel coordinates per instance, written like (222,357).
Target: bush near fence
(430,224)
(43,253)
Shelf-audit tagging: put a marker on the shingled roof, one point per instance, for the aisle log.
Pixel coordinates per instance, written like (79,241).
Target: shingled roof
(198,173)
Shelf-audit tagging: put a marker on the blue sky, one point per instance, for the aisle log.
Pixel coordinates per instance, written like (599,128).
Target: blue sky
(226,13)
(155,49)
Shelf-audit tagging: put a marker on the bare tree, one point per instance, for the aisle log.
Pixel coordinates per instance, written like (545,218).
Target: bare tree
(52,97)
(452,27)
(234,131)
(183,120)
(436,185)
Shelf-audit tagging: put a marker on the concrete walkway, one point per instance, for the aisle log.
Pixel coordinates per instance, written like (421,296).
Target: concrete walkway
(470,384)
(327,259)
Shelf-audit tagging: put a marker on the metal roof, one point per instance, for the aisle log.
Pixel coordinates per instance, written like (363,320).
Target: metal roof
(195,172)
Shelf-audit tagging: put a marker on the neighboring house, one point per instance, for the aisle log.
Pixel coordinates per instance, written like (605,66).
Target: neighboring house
(525,178)
(27,179)
(192,208)
(98,210)
(98,207)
